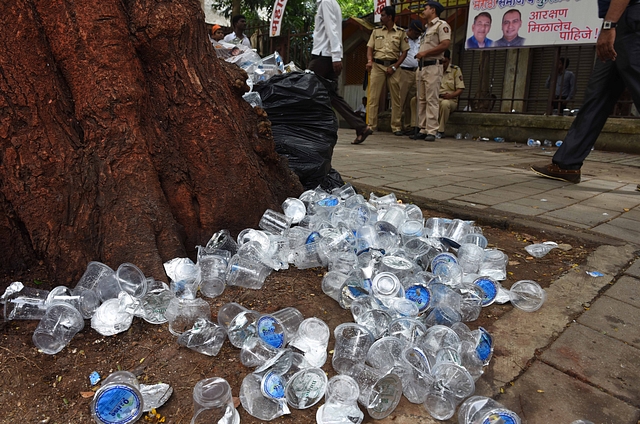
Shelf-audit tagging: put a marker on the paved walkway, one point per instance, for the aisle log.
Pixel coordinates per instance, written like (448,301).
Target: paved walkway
(583,346)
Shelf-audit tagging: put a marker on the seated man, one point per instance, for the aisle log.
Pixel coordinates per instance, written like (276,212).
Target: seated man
(362,109)
(451,88)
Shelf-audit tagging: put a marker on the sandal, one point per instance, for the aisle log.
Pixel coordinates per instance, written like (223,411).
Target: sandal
(362,137)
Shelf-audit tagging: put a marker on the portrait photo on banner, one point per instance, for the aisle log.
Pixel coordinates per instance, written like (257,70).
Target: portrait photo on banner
(500,24)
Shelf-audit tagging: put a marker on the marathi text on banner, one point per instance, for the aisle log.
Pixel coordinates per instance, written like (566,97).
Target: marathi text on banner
(276,17)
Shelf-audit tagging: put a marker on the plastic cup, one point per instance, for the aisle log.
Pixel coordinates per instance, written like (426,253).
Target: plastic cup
(344,262)
(341,401)
(376,321)
(312,338)
(246,272)
(475,238)
(379,393)
(394,215)
(27,304)
(114,315)
(278,328)
(386,353)
(363,304)
(409,329)
(490,289)
(118,400)
(344,192)
(480,409)
(132,280)
(417,377)
(401,307)
(494,264)
(205,337)
(222,240)
(469,257)
(436,227)
(527,295)
(274,222)
(457,229)
(183,313)
(256,404)
(101,279)
(438,337)
(305,388)
(442,315)
(397,265)
(213,272)
(154,304)
(57,327)
(352,344)
(294,209)
(440,404)
(453,378)
(386,286)
(256,352)
(213,402)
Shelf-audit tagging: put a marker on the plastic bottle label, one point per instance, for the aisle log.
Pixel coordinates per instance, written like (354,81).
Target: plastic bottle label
(268,331)
(444,257)
(328,201)
(272,386)
(117,405)
(419,295)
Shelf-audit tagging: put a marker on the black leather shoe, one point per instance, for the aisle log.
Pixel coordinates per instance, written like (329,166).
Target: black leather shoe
(554,172)
(398,133)
(419,136)
(430,137)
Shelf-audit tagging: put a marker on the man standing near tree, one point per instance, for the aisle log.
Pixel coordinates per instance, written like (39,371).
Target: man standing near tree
(239,24)
(618,50)
(386,50)
(435,41)
(326,61)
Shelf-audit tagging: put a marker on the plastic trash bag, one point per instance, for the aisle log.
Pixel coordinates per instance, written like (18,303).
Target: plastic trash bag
(304,126)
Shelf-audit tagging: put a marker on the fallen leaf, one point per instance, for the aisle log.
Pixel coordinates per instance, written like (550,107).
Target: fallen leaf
(87,394)
(540,391)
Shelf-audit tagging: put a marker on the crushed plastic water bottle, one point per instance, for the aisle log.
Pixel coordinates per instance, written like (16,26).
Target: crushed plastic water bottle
(595,274)
(499,139)
(558,143)
(539,250)
(533,142)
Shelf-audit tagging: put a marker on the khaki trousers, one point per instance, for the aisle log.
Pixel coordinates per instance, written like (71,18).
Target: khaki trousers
(429,79)
(447,106)
(407,93)
(377,79)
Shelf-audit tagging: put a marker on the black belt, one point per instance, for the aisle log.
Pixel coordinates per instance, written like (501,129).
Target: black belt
(385,62)
(406,68)
(431,62)
(632,2)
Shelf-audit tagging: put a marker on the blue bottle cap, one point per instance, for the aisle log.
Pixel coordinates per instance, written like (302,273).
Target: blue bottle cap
(270,331)
(328,201)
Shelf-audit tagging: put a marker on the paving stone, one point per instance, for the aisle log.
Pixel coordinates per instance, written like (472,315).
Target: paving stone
(628,224)
(618,319)
(598,359)
(545,395)
(581,214)
(519,209)
(434,194)
(456,189)
(467,204)
(626,289)
(614,201)
(617,232)
(634,269)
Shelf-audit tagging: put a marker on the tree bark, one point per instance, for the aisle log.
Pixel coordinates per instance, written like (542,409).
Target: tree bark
(124,139)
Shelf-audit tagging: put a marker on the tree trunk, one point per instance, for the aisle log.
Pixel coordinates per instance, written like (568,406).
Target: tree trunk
(124,139)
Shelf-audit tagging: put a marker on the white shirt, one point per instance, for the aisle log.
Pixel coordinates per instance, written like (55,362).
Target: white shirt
(233,39)
(414,46)
(327,34)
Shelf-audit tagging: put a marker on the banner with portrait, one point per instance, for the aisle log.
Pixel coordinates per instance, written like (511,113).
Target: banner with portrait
(499,24)
(378,5)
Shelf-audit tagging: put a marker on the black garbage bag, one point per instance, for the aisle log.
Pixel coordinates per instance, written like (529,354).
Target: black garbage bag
(304,126)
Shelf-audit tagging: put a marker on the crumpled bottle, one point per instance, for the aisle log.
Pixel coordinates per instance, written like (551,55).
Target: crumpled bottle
(539,250)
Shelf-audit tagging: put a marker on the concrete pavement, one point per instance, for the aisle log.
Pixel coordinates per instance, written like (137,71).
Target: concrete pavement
(578,357)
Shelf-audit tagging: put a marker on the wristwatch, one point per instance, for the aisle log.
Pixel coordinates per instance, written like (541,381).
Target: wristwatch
(394,68)
(609,25)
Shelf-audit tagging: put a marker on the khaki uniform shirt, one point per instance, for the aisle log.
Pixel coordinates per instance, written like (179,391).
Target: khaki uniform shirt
(451,80)
(437,31)
(388,44)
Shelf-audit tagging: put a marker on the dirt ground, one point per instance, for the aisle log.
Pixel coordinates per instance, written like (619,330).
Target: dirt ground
(39,388)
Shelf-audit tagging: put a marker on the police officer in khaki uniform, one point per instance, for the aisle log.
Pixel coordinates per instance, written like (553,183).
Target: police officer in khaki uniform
(435,41)
(451,88)
(386,50)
